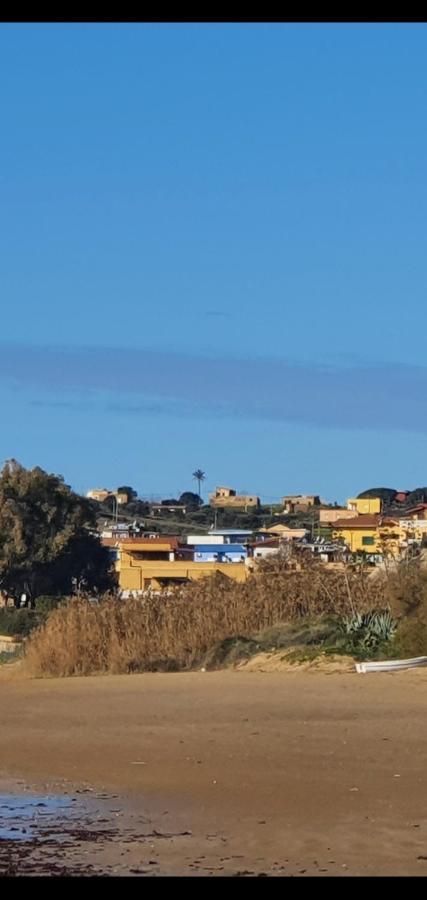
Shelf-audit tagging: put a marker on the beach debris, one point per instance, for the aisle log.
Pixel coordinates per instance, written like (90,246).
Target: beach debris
(164,834)
(392,665)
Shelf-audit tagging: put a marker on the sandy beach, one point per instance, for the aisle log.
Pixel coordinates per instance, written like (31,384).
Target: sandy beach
(224,773)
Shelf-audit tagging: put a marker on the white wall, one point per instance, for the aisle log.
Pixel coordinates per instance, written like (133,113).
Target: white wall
(205,539)
(262,552)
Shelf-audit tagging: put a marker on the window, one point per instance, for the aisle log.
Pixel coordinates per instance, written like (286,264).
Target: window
(368,541)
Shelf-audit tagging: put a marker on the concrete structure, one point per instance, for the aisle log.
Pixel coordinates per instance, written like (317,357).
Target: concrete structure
(194,539)
(225,497)
(284,532)
(264,549)
(160,562)
(122,497)
(329,516)
(159,508)
(10,644)
(99,494)
(370,534)
(299,502)
(365,506)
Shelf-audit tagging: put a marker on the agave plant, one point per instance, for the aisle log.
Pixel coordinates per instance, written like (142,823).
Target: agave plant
(370,628)
(351,624)
(381,624)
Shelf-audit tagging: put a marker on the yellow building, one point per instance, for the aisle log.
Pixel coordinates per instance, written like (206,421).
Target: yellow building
(159,562)
(369,534)
(365,506)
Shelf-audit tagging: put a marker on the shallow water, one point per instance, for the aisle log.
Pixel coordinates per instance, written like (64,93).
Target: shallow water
(23,816)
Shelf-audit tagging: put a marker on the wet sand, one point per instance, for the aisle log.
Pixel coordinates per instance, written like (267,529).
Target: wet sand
(224,773)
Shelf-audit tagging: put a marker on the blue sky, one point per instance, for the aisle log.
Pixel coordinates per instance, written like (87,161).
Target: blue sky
(214,255)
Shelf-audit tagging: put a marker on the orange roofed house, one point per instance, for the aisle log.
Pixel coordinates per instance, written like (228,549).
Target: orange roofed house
(160,561)
(370,534)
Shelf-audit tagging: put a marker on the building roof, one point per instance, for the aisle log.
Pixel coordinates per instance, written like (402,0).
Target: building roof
(365,521)
(219,548)
(280,529)
(299,496)
(270,542)
(362,521)
(161,543)
(241,531)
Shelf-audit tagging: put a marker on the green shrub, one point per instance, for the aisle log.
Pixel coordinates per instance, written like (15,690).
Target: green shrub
(10,657)
(46,604)
(19,622)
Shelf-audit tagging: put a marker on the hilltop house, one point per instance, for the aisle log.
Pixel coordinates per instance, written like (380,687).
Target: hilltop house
(101,494)
(293,503)
(225,497)
(370,506)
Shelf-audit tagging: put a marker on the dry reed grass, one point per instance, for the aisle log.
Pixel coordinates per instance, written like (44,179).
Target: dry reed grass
(174,629)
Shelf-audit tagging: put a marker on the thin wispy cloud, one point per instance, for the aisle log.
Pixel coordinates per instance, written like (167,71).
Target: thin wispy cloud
(382,397)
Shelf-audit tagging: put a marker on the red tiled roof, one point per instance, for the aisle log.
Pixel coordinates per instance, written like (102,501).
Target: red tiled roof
(362,521)
(170,543)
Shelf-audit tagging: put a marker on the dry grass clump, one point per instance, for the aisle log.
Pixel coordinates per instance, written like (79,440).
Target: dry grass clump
(174,629)
(406,594)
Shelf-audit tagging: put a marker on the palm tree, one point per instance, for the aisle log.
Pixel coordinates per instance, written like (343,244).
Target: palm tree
(199,476)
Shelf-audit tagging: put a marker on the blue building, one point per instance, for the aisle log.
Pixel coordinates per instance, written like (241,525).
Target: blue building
(223,553)
(231,535)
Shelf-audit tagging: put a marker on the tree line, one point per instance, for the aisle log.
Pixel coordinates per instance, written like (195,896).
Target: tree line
(48,539)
